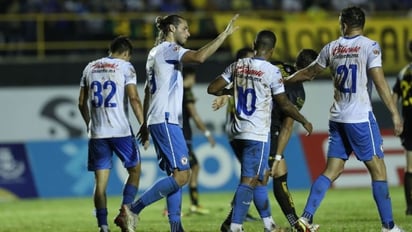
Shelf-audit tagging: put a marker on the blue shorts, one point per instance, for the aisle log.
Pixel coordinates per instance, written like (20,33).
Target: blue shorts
(254,157)
(170,146)
(101,152)
(363,139)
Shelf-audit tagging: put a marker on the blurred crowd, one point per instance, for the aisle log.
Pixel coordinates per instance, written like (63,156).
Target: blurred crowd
(15,29)
(103,6)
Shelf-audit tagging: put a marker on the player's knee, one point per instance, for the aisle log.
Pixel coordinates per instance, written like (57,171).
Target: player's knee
(181,177)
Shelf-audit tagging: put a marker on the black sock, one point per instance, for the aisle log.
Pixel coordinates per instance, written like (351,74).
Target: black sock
(283,197)
(194,198)
(408,189)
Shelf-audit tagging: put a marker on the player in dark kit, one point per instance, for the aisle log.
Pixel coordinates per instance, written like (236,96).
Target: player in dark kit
(281,130)
(402,90)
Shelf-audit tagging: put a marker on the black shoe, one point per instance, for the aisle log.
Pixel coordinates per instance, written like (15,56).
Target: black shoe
(225,227)
(250,218)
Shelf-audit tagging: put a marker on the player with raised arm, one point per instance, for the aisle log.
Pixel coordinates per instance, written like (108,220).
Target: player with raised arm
(255,82)
(163,114)
(355,62)
(107,86)
(402,91)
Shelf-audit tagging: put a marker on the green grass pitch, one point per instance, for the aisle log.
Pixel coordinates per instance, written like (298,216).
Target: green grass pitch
(347,210)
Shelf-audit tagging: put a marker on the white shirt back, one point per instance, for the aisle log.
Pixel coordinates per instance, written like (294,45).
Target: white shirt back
(106,79)
(255,82)
(349,60)
(164,77)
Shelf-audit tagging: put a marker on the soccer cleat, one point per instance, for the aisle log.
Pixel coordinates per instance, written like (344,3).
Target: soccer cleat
(394,229)
(302,225)
(225,227)
(126,220)
(198,210)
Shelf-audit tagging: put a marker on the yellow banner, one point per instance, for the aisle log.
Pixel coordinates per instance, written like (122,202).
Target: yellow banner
(293,35)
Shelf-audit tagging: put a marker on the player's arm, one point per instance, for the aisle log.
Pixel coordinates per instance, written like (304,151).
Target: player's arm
(384,92)
(200,55)
(217,87)
(83,105)
(199,123)
(135,102)
(306,74)
(289,109)
(143,134)
(284,135)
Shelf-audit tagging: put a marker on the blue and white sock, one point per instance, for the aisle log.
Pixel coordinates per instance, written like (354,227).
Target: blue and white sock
(157,191)
(243,199)
(317,193)
(383,202)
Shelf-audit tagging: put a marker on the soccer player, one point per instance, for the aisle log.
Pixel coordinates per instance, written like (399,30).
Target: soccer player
(163,115)
(219,102)
(281,130)
(255,81)
(402,90)
(107,86)
(355,63)
(190,112)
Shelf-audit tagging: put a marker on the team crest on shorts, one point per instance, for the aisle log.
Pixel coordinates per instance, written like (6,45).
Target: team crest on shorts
(184,160)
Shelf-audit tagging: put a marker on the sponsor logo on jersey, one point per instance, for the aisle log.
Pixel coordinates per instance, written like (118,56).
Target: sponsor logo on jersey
(345,50)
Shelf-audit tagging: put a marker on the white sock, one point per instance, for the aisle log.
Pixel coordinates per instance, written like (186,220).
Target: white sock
(268,222)
(235,227)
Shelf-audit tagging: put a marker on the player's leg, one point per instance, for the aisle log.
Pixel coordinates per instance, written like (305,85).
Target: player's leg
(193,185)
(366,141)
(408,182)
(100,198)
(338,151)
(262,203)
(127,151)
(407,144)
(173,158)
(279,186)
(99,161)
(254,165)
(282,194)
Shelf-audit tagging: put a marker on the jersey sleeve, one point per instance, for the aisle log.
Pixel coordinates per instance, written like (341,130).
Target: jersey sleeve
(277,86)
(374,56)
(129,74)
(323,57)
(227,74)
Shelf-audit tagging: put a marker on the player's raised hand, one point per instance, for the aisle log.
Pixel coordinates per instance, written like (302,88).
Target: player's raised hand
(230,28)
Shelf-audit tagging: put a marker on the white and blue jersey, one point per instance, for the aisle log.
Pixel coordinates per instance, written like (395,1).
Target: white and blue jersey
(110,131)
(349,60)
(165,81)
(106,80)
(352,126)
(164,116)
(255,82)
